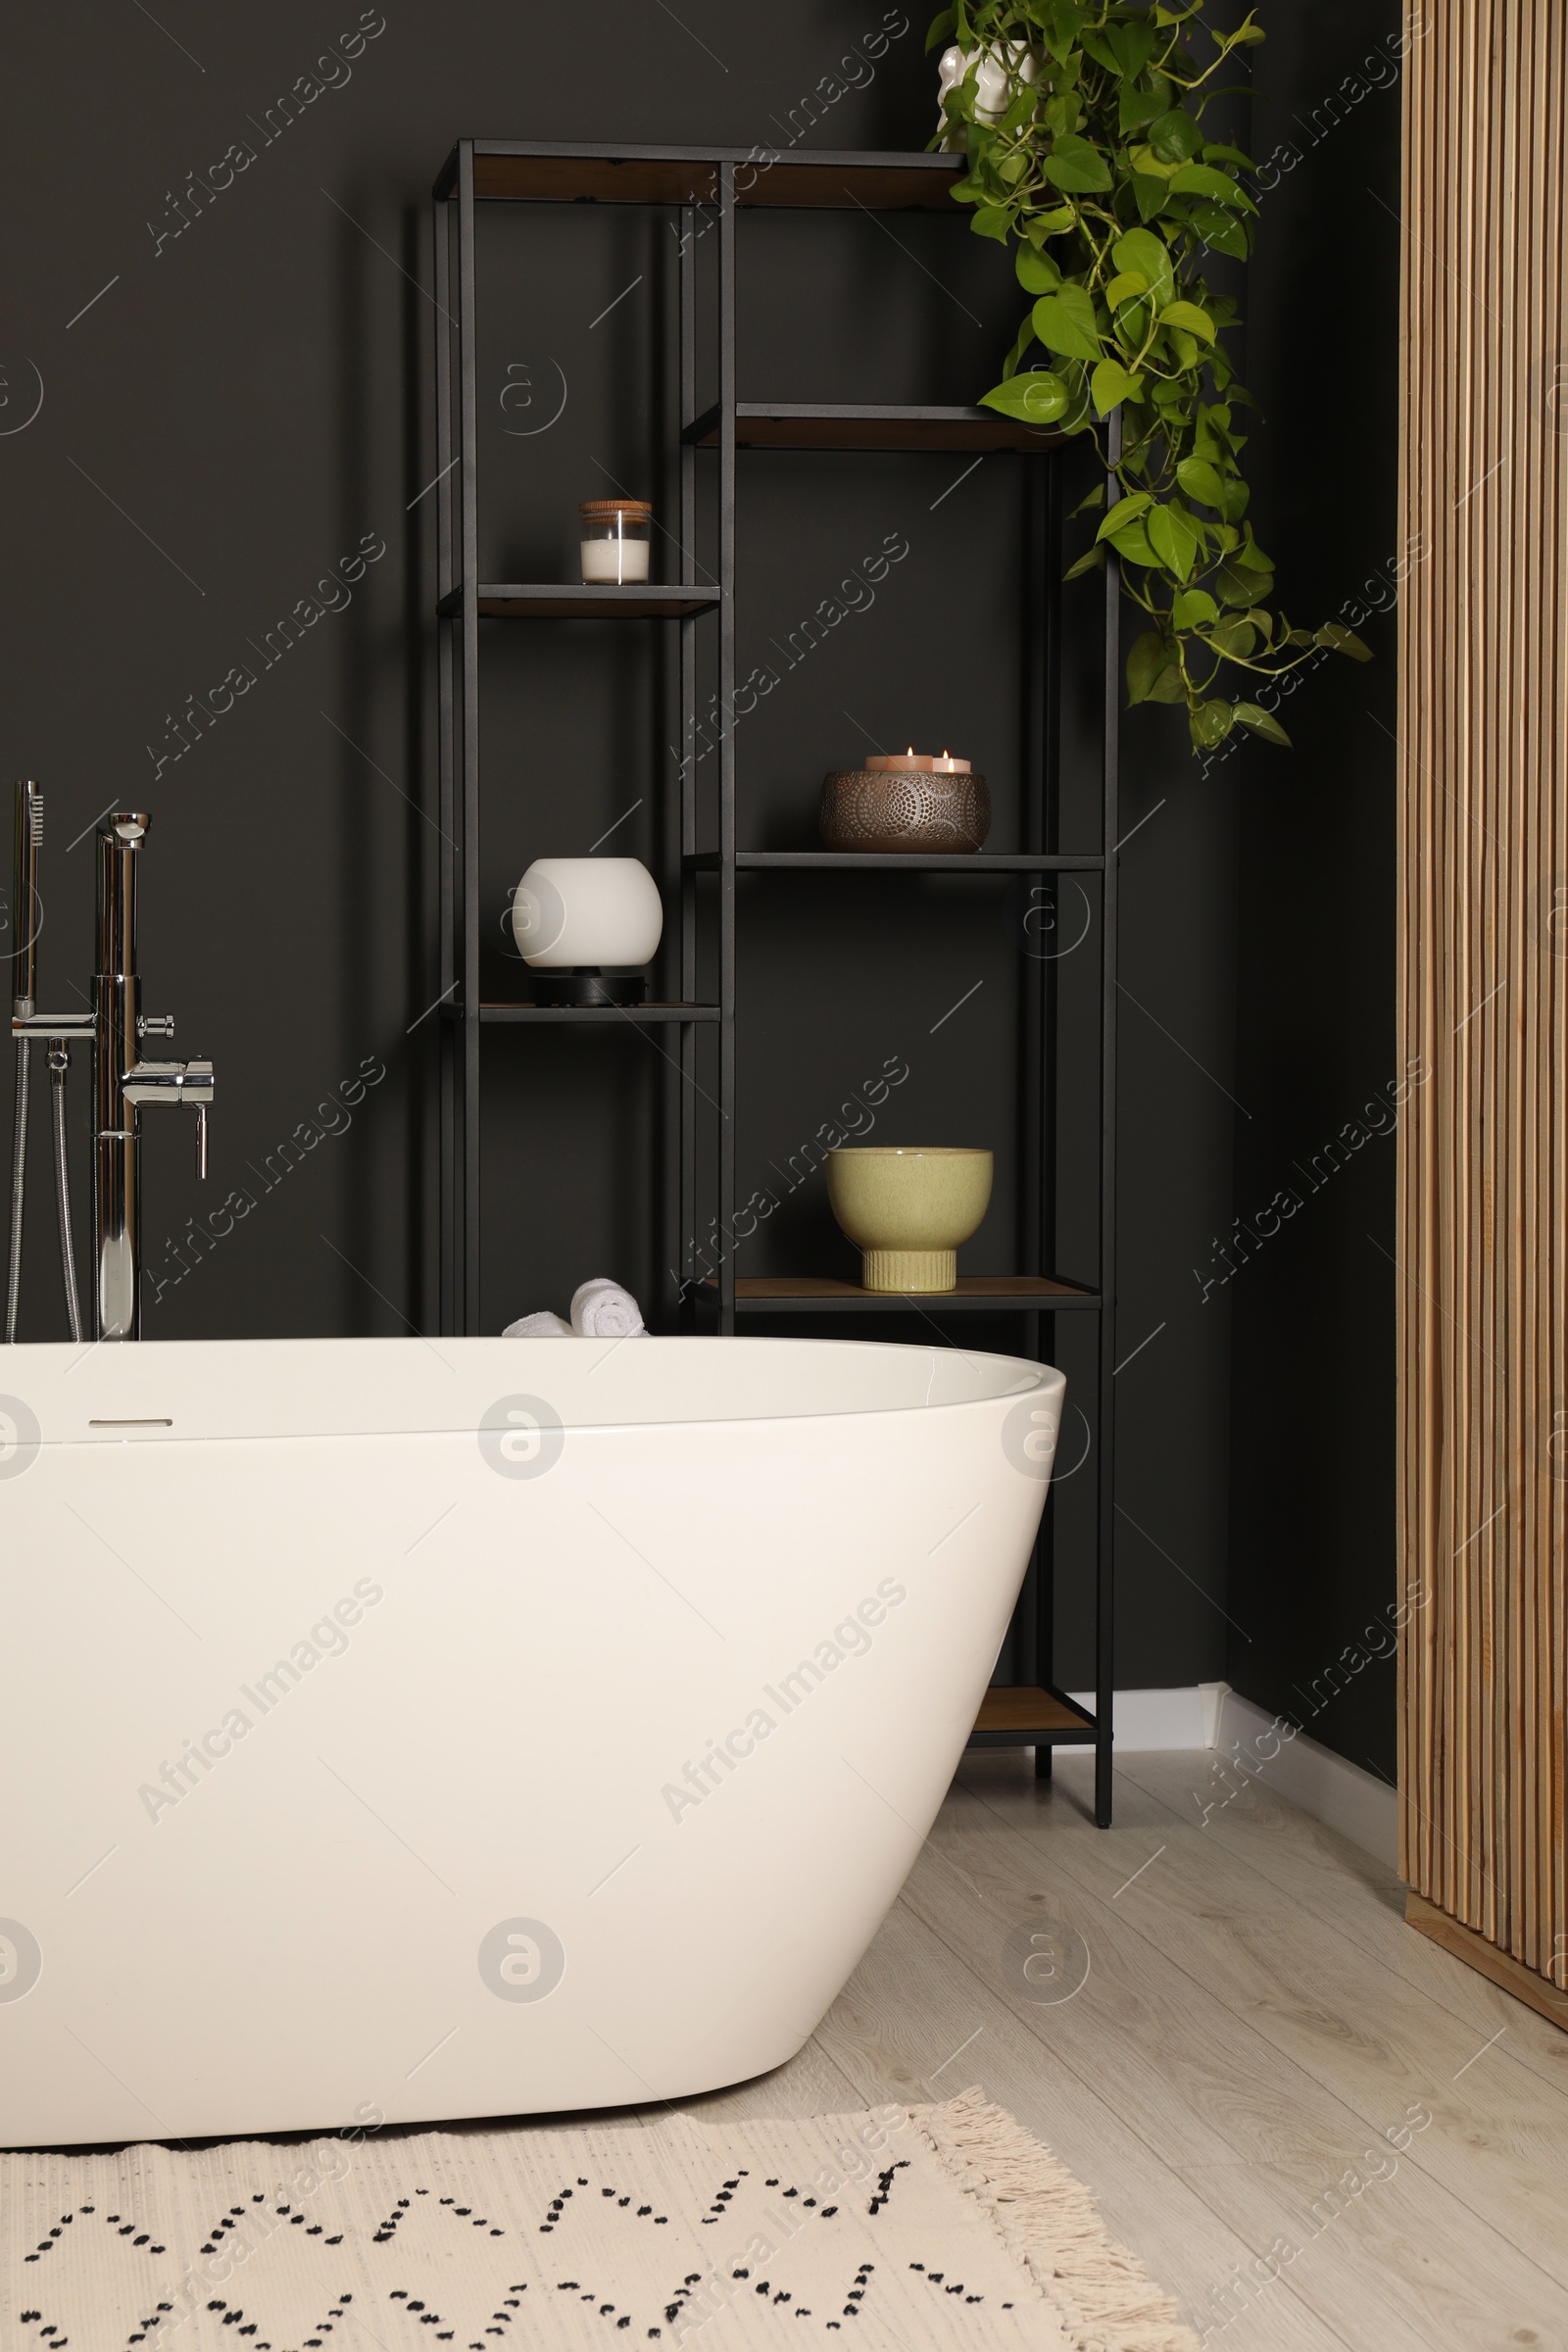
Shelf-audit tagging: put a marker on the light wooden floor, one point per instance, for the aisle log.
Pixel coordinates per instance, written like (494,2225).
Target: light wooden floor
(1254,2018)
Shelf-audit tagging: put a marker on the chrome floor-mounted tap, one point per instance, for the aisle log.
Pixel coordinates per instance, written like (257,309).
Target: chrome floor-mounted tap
(122,1082)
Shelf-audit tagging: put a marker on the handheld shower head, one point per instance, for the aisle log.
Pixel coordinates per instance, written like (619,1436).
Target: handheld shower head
(25,910)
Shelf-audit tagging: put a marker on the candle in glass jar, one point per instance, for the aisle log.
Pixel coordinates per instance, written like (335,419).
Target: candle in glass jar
(901,763)
(614,533)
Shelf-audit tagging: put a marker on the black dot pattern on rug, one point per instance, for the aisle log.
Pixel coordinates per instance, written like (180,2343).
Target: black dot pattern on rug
(716,2211)
(323,2328)
(47,2244)
(948,2286)
(703,2295)
(466,2213)
(233,2317)
(384,2236)
(502,2318)
(427,2317)
(49,2334)
(884,2184)
(555,2211)
(229,2221)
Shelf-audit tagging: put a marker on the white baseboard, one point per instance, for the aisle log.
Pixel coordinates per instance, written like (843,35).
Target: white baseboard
(1334,1792)
(1146,1720)
(1306,1774)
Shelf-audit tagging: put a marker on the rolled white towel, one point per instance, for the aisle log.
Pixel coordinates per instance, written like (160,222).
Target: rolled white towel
(601,1310)
(542,1326)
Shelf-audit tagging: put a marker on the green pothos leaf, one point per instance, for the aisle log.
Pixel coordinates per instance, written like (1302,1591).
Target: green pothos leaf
(1151,656)
(1175,538)
(1202,180)
(1236,638)
(1141,251)
(1342,640)
(1112,385)
(1037,396)
(1132,542)
(1101,181)
(1076,167)
(1201,481)
(1130,509)
(1152,196)
(1187,315)
(1025,336)
(1036,273)
(1192,607)
(1176,137)
(1211,724)
(1065,323)
(992,220)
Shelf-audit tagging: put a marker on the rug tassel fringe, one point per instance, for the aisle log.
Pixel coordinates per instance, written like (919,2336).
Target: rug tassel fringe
(1049,2223)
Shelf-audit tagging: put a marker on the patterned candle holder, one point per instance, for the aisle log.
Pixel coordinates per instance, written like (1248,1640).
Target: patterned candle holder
(886,810)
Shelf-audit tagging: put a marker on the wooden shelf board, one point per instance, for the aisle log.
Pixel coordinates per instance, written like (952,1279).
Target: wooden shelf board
(581,1013)
(787,424)
(1020,1708)
(506,171)
(562,599)
(909,862)
(774,1294)
(890,183)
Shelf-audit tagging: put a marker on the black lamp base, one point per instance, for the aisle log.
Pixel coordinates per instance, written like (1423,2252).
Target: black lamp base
(587,987)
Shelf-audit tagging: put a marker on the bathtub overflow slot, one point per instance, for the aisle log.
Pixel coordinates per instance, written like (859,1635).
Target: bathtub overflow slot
(149,1424)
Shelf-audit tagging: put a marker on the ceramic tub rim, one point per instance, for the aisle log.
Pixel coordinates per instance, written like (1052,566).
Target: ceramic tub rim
(114,1431)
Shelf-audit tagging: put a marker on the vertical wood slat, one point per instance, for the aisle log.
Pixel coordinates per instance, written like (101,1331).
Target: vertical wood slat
(1483,1249)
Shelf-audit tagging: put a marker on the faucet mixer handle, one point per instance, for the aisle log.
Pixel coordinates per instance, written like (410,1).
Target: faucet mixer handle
(22,945)
(154,1024)
(198,1089)
(182,1083)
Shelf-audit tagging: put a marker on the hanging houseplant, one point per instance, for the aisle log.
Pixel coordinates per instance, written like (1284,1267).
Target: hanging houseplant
(1083,125)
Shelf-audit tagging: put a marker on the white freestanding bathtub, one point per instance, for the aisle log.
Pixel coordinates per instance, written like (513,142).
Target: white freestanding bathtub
(414,1728)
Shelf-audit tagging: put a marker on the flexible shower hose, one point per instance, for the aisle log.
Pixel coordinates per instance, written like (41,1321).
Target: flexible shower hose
(19,1182)
(59,1064)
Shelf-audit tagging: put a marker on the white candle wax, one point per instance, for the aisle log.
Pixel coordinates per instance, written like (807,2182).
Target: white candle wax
(619,560)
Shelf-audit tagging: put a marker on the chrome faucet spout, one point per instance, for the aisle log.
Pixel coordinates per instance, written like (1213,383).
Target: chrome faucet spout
(24,948)
(124,1084)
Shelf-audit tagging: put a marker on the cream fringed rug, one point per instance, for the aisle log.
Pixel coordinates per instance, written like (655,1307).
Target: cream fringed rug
(904,2230)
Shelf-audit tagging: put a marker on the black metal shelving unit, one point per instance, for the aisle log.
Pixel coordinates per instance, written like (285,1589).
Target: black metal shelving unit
(716,183)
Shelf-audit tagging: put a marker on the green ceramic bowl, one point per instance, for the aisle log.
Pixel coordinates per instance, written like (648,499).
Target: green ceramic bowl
(908,1208)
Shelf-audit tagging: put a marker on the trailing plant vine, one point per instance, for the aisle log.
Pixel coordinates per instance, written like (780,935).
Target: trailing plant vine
(1083,124)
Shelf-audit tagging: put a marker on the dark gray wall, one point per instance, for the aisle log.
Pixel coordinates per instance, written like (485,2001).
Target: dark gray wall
(1313,1291)
(236,398)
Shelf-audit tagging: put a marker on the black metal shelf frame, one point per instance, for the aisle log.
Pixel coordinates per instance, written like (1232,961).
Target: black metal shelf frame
(720,181)
(902,861)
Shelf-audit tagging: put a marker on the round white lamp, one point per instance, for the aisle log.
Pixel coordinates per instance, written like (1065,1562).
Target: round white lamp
(572,915)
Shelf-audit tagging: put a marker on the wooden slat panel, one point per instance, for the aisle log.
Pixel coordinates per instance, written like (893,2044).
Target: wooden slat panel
(1484,973)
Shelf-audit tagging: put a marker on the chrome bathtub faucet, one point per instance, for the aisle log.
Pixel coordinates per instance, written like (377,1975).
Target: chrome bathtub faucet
(123,1083)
